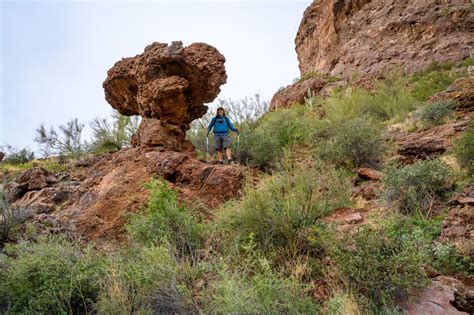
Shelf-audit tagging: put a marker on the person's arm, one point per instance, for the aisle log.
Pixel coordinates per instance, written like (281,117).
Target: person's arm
(230,124)
(213,121)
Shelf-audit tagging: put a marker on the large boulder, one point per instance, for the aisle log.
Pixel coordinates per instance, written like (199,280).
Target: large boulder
(340,37)
(461,92)
(169,83)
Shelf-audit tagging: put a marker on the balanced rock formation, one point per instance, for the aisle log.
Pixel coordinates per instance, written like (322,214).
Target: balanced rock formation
(340,37)
(167,83)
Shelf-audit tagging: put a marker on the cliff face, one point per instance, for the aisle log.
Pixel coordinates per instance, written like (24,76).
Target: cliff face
(339,37)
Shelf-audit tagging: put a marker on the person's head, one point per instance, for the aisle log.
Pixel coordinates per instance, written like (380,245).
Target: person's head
(220,112)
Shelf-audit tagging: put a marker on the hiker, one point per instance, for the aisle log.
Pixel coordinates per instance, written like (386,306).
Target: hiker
(221,124)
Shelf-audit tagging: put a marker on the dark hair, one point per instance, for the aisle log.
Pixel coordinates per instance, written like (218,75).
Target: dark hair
(218,109)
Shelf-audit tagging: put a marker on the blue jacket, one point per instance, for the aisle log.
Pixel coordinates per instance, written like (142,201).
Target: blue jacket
(221,125)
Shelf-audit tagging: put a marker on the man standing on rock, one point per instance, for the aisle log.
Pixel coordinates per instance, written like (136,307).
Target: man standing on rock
(221,124)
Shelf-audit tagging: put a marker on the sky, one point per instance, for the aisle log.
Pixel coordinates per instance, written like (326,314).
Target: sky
(55,54)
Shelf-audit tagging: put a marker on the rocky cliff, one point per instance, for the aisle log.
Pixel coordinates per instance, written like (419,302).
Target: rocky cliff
(341,38)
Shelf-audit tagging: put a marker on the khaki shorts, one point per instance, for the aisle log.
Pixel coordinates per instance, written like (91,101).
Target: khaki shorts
(222,141)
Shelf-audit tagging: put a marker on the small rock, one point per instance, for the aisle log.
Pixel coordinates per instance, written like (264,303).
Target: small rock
(466,200)
(368,173)
(354,218)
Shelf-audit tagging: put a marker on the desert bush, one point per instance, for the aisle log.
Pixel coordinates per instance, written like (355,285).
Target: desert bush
(381,267)
(344,303)
(256,149)
(17,156)
(142,281)
(357,142)
(283,214)
(464,149)
(435,78)
(448,260)
(389,99)
(112,136)
(249,285)
(164,221)
(433,114)
(53,275)
(68,142)
(414,188)
(9,217)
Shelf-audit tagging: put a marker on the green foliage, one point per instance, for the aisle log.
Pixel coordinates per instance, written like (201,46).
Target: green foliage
(433,114)
(357,142)
(435,78)
(464,149)
(142,281)
(283,213)
(381,266)
(9,217)
(67,142)
(390,99)
(51,276)
(256,149)
(165,221)
(414,188)
(108,137)
(448,260)
(17,156)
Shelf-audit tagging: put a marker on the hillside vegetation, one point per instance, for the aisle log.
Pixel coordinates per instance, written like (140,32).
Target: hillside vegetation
(286,245)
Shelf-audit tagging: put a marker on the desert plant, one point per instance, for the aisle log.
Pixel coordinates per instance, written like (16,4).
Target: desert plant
(9,216)
(464,149)
(17,156)
(111,136)
(53,275)
(447,259)
(68,142)
(357,142)
(165,221)
(142,281)
(414,188)
(380,267)
(283,214)
(433,114)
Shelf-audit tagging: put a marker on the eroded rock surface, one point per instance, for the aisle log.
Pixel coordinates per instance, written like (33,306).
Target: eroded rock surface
(169,83)
(340,37)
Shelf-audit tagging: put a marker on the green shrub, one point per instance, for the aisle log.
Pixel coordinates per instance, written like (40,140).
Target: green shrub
(257,149)
(142,281)
(390,99)
(434,79)
(381,267)
(433,114)
(51,276)
(414,188)
(357,142)
(17,156)
(283,213)
(249,285)
(165,221)
(448,260)
(464,149)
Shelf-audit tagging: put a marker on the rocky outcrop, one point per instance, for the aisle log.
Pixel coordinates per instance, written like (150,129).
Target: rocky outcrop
(169,83)
(461,93)
(341,37)
(296,93)
(33,179)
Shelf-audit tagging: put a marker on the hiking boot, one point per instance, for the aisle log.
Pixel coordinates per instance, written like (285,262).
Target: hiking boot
(221,162)
(230,161)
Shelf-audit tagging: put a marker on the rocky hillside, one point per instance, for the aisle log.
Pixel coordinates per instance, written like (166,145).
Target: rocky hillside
(340,39)
(353,196)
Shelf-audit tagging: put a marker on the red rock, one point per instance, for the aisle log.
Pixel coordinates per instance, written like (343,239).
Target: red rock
(368,36)
(296,93)
(368,173)
(170,83)
(353,218)
(461,92)
(466,200)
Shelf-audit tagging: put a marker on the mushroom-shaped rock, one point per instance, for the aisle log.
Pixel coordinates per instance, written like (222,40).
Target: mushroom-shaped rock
(169,83)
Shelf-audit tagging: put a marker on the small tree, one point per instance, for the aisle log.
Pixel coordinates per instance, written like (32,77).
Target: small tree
(8,216)
(113,136)
(67,142)
(17,156)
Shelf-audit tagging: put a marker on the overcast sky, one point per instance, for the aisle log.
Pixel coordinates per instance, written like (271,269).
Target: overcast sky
(55,55)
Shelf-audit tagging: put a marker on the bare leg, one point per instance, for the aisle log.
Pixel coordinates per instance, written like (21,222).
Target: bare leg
(219,155)
(228,153)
